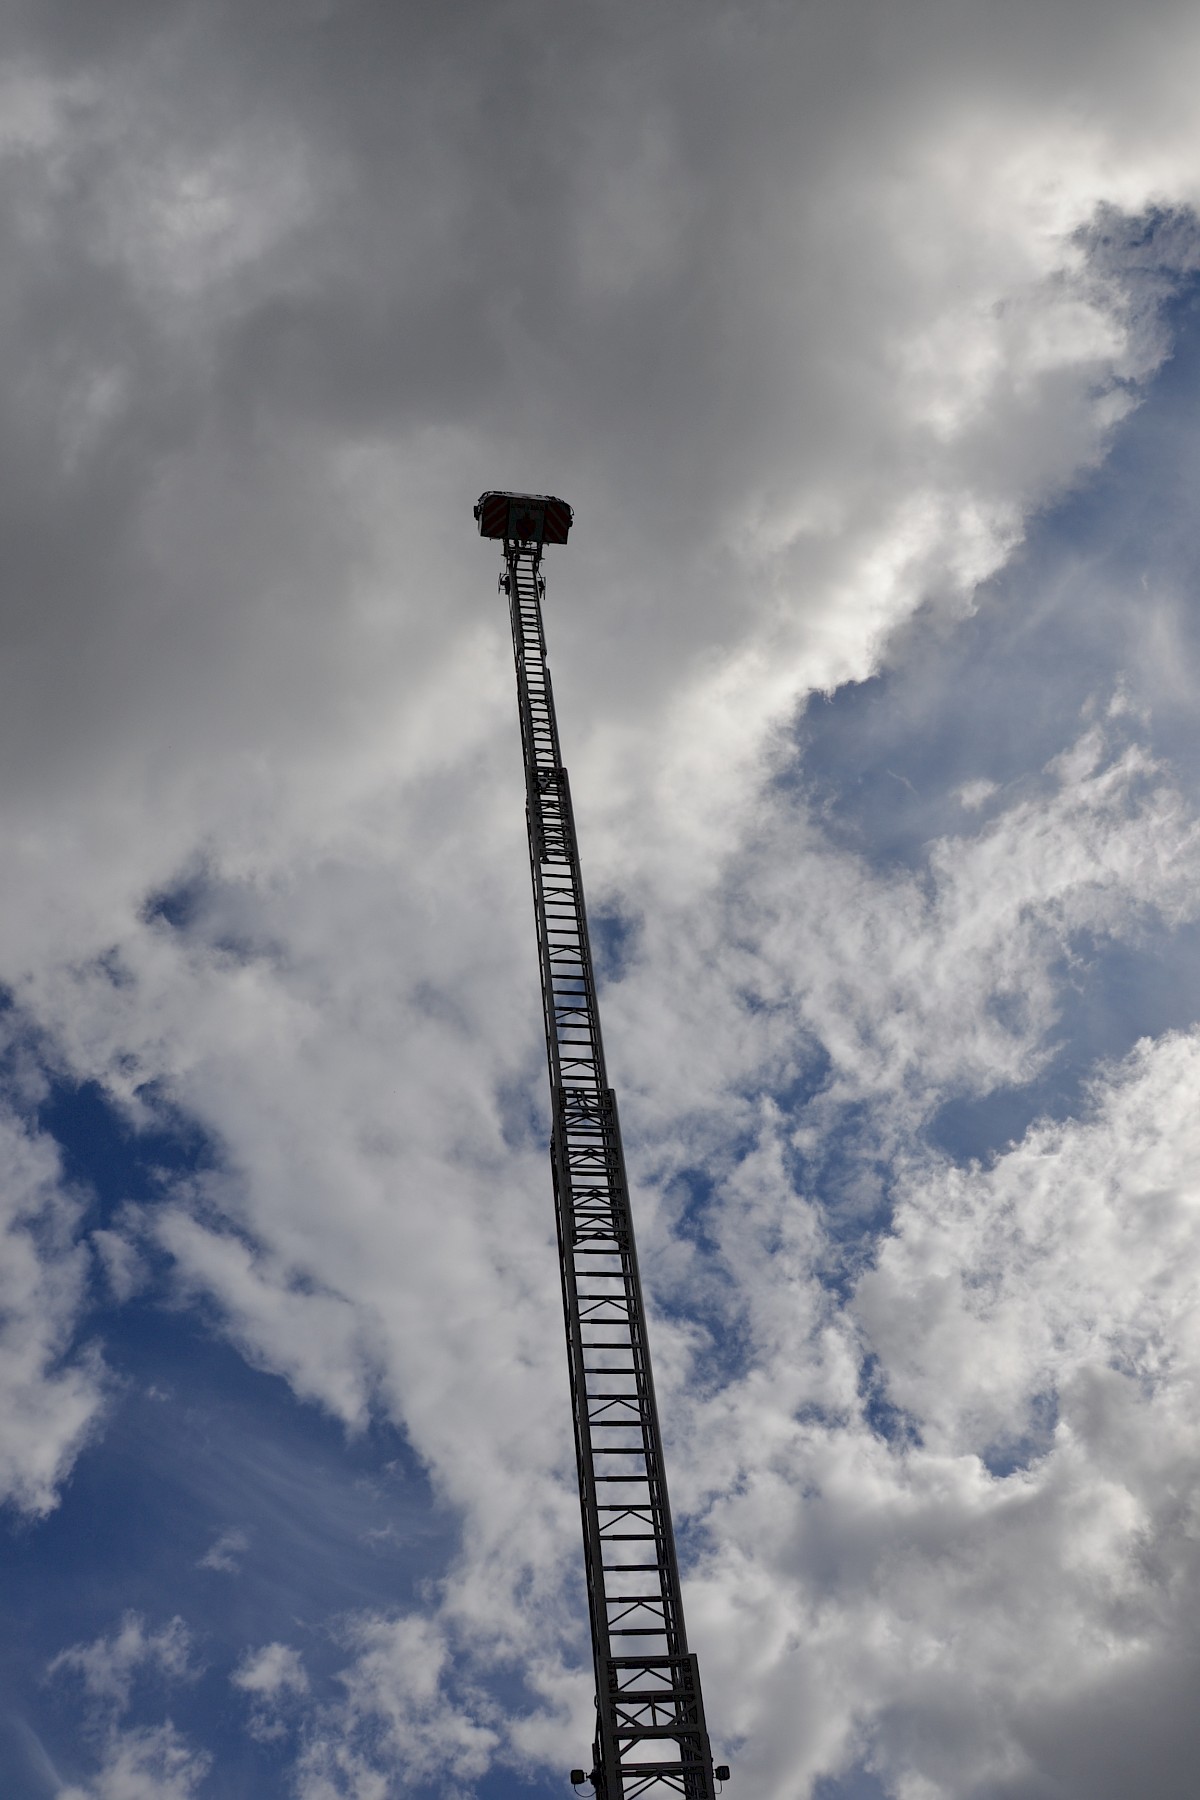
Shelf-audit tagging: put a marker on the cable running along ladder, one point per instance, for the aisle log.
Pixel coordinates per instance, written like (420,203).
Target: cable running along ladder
(651,1741)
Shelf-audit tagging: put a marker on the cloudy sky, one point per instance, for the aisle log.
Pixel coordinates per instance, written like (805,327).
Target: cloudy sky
(864,338)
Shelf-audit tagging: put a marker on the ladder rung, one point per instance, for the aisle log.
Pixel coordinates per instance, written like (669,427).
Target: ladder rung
(650,1662)
(676,1729)
(659,1696)
(595,1221)
(635,1770)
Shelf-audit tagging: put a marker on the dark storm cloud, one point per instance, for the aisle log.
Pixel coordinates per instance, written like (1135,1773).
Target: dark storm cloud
(602,243)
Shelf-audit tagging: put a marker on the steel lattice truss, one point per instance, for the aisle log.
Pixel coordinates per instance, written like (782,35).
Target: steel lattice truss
(651,1738)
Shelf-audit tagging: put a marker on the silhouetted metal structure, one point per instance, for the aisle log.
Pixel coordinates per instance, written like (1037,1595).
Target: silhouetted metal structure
(651,1738)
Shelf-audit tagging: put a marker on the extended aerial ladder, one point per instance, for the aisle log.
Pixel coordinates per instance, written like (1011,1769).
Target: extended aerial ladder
(651,1739)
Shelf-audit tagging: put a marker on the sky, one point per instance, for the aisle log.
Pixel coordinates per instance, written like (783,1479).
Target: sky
(864,340)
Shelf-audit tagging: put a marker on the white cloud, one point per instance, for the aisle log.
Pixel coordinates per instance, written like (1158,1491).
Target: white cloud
(1075,1256)
(974,794)
(109,1666)
(124,1270)
(275,1679)
(149,1763)
(224,1555)
(270,1671)
(50,1399)
(397,1721)
(915,984)
(387,1300)
(315,1338)
(971,1632)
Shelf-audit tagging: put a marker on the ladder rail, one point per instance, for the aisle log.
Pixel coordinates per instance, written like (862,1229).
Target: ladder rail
(648,1695)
